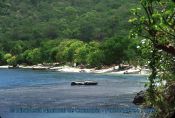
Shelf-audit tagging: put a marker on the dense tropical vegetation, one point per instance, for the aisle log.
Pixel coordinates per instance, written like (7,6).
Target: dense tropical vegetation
(154,25)
(89,32)
(95,33)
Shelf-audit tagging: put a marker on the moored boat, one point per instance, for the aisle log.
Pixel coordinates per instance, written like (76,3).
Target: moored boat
(132,72)
(83,83)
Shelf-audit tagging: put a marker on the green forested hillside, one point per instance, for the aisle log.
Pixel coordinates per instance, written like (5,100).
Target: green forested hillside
(29,26)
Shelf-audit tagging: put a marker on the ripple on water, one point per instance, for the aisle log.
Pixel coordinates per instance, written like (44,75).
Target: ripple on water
(43,89)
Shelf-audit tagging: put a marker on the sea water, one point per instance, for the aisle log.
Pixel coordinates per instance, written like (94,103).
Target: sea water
(25,93)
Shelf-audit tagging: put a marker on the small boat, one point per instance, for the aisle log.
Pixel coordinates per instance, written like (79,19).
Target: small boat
(83,83)
(132,72)
(40,68)
(90,83)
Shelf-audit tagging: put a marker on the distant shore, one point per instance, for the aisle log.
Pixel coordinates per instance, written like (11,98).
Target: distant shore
(109,70)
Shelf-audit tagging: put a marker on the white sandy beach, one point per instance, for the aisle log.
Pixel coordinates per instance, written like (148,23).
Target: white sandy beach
(5,66)
(110,70)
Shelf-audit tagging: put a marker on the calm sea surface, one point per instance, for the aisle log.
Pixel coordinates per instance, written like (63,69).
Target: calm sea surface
(45,94)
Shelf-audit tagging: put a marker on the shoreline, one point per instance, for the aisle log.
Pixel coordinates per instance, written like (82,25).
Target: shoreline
(111,70)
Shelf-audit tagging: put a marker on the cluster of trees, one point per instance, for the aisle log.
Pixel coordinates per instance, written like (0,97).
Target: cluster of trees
(154,24)
(91,54)
(88,32)
(52,19)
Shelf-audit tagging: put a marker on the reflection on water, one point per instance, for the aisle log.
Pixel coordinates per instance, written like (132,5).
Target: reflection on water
(44,89)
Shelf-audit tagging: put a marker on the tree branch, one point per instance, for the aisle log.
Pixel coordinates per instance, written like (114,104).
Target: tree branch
(167,48)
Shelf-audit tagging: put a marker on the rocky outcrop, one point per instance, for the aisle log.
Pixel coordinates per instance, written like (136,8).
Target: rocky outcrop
(139,98)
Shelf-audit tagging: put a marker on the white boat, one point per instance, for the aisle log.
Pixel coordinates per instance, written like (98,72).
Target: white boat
(132,72)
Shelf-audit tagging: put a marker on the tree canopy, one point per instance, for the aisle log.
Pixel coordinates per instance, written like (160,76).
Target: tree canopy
(154,23)
(74,31)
